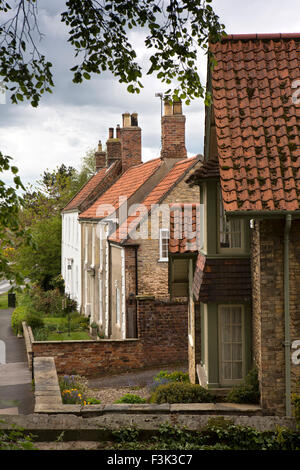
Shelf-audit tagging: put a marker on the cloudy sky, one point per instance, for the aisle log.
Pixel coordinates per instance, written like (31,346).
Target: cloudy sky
(70,122)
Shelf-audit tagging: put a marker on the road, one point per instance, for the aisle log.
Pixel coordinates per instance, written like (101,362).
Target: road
(16,394)
(4,286)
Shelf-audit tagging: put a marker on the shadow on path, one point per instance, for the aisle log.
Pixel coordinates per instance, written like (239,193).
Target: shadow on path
(16,394)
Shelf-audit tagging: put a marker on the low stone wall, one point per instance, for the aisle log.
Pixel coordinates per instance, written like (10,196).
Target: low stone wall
(48,400)
(28,338)
(162,340)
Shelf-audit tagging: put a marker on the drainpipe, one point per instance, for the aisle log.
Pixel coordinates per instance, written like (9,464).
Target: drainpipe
(287,342)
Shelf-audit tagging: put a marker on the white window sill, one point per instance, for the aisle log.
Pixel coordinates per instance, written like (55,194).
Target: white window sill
(163,260)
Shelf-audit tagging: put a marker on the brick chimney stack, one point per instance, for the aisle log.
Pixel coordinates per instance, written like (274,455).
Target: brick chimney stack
(173,131)
(131,138)
(113,146)
(100,157)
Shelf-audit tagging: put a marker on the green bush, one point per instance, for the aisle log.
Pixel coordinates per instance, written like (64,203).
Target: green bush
(247,392)
(18,316)
(131,398)
(34,320)
(176,376)
(180,392)
(40,334)
(296,403)
(92,401)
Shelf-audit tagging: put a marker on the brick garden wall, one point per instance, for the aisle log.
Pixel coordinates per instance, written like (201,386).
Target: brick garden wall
(162,340)
(268,309)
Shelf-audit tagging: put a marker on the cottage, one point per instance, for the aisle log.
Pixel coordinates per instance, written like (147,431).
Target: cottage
(244,291)
(125,231)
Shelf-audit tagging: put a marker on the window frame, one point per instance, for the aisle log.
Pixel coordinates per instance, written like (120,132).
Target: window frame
(118,306)
(236,250)
(222,381)
(161,238)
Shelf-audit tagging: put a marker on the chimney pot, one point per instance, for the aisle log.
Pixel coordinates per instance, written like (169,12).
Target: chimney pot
(177,107)
(126,120)
(118,131)
(111,133)
(168,109)
(134,119)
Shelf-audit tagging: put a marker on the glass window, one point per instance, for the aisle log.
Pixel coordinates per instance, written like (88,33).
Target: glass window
(230,231)
(164,244)
(231,343)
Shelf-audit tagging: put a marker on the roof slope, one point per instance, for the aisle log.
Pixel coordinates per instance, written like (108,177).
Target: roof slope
(154,197)
(125,187)
(96,181)
(257,121)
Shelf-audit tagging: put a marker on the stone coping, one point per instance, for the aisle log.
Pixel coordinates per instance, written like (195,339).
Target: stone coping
(89,341)
(48,400)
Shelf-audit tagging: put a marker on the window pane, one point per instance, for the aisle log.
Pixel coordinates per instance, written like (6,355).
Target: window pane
(226,370)
(226,351)
(230,230)
(237,370)
(164,243)
(231,347)
(236,352)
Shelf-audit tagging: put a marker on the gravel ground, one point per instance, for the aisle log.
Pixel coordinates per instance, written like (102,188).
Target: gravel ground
(108,389)
(108,396)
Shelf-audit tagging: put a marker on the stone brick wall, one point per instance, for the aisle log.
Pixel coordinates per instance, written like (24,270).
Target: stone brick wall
(131,138)
(162,340)
(153,274)
(268,309)
(162,330)
(91,358)
(173,136)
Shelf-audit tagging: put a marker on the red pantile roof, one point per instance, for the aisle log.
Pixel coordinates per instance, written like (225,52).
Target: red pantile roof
(160,191)
(257,121)
(125,187)
(185,229)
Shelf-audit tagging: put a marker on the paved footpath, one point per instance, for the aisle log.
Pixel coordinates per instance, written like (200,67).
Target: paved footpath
(16,395)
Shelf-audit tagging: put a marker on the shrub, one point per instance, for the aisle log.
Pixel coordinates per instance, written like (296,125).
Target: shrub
(247,392)
(165,377)
(34,320)
(176,376)
(18,315)
(40,334)
(179,392)
(296,403)
(130,398)
(49,302)
(92,401)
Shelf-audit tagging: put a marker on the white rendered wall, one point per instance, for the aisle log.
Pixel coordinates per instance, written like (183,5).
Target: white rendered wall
(71,255)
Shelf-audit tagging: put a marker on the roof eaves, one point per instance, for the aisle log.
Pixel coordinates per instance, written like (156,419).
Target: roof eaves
(262,213)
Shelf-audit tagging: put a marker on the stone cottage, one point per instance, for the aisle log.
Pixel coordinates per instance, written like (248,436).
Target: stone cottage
(244,281)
